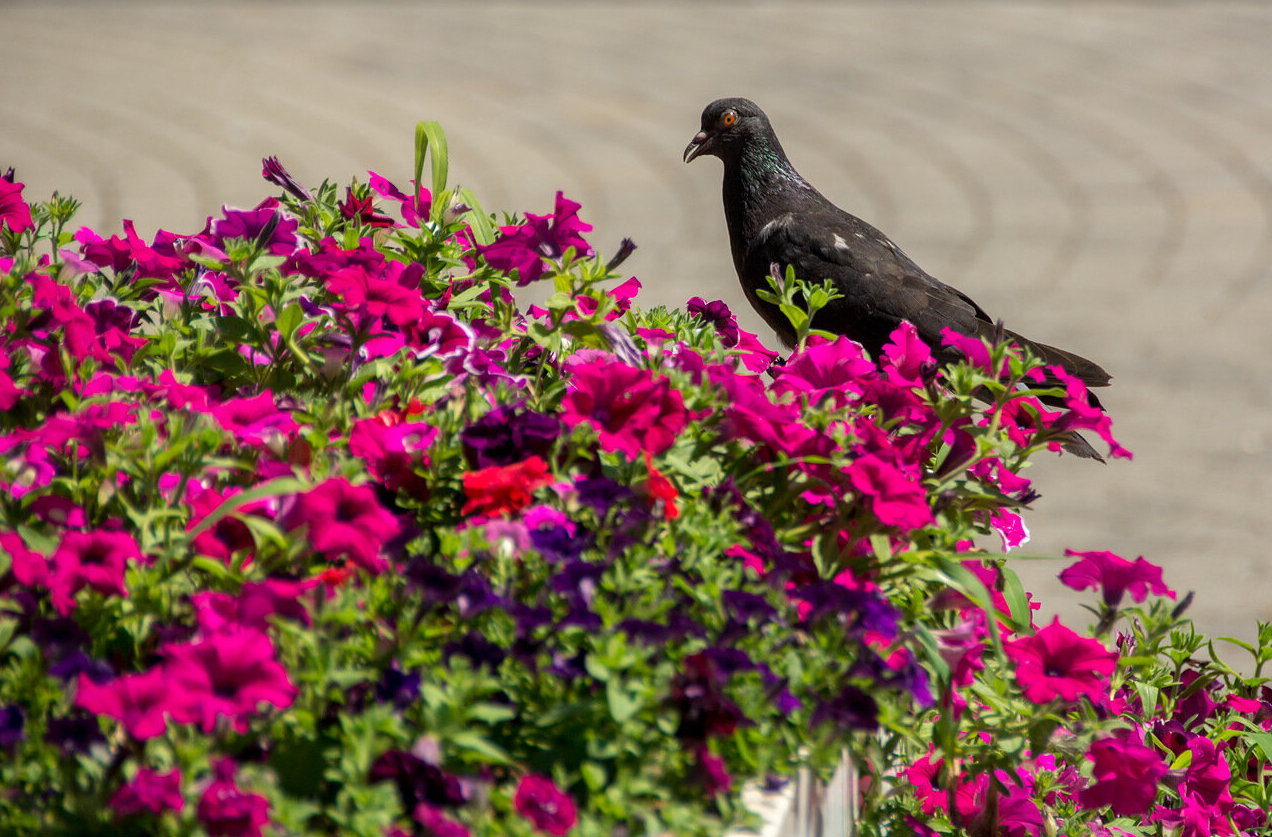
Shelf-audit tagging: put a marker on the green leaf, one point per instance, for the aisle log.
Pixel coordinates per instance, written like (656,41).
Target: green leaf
(623,702)
(474,743)
(273,488)
(430,140)
(478,220)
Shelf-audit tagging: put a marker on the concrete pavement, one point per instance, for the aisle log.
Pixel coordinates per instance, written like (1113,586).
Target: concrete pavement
(1098,175)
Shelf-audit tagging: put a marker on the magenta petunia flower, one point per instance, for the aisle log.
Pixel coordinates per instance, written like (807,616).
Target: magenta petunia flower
(1057,663)
(1126,774)
(274,171)
(905,356)
(377,296)
(97,560)
(14,212)
(159,259)
(1081,415)
(895,498)
(229,673)
(1010,527)
(226,810)
(343,519)
(265,224)
(523,247)
(631,409)
(548,808)
(1208,776)
(149,792)
(141,702)
(1114,576)
(255,420)
(252,608)
(29,567)
(436,823)
(413,209)
(825,368)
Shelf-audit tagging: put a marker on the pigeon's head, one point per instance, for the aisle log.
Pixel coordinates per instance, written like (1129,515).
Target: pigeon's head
(727,125)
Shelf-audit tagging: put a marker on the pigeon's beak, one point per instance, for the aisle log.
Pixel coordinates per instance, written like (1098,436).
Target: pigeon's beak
(700,144)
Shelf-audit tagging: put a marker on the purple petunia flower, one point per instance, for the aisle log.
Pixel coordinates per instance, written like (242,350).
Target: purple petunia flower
(508,435)
(266,225)
(417,780)
(718,315)
(851,709)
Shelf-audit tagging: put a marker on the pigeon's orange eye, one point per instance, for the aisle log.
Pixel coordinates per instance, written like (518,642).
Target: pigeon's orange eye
(728,119)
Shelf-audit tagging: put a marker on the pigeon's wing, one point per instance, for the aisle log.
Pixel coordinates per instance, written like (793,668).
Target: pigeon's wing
(881,285)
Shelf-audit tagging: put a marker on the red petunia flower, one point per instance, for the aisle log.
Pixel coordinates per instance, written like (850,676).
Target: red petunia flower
(504,489)
(661,490)
(1057,663)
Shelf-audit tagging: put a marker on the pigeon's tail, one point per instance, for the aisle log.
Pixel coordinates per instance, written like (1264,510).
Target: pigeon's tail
(1078,446)
(1086,371)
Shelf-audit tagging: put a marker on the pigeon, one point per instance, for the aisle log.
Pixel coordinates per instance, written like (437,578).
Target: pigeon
(776,220)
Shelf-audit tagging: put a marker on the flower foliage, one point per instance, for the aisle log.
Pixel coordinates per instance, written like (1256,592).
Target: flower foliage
(309,528)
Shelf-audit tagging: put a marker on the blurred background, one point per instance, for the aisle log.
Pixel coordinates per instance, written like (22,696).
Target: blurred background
(1097,175)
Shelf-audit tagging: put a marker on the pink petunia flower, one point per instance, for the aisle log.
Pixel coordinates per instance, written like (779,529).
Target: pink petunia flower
(149,792)
(229,674)
(631,409)
(141,702)
(226,810)
(97,560)
(1126,774)
(1057,663)
(548,808)
(1114,576)
(343,519)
